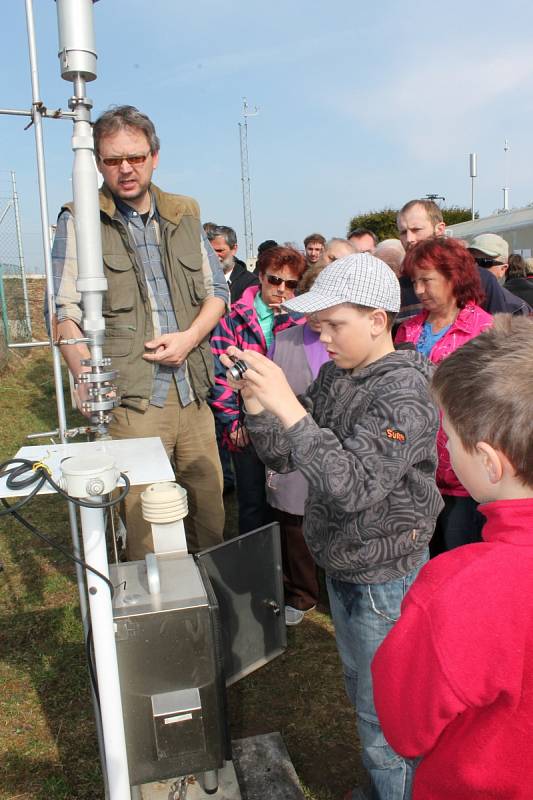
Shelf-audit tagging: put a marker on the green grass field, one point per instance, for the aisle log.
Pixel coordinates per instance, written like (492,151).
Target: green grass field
(48,747)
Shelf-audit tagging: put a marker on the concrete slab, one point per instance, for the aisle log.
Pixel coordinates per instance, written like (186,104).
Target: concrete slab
(261,770)
(228,788)
(264,769)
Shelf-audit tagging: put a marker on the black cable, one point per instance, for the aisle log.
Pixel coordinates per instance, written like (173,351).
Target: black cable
(39,475)
(52,543)
(89,651)
(39,480)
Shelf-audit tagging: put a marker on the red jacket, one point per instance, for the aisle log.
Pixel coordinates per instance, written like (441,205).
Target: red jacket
(469,323)
(453,680)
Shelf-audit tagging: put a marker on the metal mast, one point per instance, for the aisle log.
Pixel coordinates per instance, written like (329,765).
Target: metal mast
(245,177)
(473,176)
(21,253)
(506,149)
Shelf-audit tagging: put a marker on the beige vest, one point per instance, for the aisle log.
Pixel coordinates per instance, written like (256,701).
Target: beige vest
(126,307)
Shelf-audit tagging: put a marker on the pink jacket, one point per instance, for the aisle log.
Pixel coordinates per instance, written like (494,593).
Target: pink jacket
(470,322)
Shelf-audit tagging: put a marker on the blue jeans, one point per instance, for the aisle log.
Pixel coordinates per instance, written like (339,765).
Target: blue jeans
(363,614)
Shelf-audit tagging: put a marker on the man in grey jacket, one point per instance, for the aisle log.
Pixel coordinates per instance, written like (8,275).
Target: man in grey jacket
(364,437)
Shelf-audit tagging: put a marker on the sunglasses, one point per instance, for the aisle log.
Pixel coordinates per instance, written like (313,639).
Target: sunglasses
(487,262)
(116,161)
(290,283)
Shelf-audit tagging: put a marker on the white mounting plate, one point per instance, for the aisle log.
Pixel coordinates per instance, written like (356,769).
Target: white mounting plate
(143,460)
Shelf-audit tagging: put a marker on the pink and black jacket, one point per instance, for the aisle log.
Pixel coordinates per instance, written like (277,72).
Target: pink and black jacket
(469,323)
(240,328)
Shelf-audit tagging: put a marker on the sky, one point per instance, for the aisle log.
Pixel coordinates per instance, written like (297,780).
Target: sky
(361,107)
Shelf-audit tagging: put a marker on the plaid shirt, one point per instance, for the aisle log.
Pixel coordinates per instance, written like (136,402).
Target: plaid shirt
(145,239)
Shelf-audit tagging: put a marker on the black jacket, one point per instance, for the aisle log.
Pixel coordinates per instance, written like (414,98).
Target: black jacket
(521,287)
(240,279)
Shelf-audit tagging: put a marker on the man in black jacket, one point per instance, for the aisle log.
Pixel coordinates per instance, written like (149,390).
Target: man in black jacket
(224,243)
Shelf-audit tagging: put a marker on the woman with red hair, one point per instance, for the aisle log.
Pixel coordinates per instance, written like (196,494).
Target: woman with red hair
(446,281)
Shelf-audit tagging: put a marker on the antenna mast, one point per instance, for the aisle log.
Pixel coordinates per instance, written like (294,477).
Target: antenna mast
(245,177)
(506,149)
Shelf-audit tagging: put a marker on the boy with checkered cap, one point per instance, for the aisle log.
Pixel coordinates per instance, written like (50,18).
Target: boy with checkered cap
(364,437)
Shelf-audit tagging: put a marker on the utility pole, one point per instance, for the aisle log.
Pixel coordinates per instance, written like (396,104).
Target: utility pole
(245,177)
(473,175)
(22,267)
(506,149)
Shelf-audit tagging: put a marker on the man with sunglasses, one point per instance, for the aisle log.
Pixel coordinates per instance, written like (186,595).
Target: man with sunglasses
(165,293)
(251,325)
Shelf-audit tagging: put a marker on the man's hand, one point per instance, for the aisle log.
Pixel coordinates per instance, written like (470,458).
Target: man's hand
(81,395)
(265,383)
(171,349)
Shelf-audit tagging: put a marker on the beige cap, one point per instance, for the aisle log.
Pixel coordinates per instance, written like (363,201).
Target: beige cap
(492,246)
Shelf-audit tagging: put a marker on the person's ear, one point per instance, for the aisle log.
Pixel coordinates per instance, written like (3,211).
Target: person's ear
(440,227)
(492,461)
(379,321)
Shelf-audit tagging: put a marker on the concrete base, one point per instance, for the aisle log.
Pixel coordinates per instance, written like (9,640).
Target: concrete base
(261,770)
(228,788)
(264,769)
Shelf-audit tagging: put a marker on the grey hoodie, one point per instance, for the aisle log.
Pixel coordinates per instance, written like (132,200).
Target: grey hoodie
(367,449)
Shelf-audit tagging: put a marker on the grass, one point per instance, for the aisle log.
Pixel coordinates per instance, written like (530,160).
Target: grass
(48,747)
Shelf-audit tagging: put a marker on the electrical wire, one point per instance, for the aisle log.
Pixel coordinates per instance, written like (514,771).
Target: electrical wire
(54,544)
(39,475)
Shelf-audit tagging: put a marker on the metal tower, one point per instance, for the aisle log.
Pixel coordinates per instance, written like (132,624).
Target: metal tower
(245,177)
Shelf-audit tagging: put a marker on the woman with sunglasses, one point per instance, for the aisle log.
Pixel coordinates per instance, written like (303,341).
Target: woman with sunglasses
(251,325)
(446,282)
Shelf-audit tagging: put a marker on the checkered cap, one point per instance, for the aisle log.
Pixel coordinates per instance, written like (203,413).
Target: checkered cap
(361,279)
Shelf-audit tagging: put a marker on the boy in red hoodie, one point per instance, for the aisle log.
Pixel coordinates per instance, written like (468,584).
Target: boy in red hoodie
(453,680)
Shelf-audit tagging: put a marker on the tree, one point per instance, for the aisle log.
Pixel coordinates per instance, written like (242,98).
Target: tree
(383,223)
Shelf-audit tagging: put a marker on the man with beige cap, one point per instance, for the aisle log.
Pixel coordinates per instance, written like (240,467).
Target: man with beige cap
(491,252)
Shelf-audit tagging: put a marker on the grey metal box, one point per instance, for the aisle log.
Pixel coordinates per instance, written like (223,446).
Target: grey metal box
(170,671)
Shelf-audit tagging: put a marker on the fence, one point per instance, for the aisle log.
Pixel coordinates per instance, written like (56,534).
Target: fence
(16,320)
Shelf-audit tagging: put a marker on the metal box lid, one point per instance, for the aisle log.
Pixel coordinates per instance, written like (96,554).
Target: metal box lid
(181,587)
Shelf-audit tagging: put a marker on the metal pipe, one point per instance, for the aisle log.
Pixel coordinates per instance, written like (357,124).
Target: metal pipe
(473,174)
(15,112)
(41,173)
(56,356)
(94,545)
(28,344)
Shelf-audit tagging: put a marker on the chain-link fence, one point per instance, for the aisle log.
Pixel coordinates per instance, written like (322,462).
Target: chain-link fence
(16,322)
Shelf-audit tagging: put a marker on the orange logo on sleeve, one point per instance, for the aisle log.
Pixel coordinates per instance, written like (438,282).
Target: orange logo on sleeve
(396,436)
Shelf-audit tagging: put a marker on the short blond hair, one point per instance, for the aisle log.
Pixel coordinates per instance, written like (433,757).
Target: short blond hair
(485,388)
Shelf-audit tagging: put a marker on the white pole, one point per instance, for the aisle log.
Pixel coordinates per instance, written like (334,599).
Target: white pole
(473,175)
(105,654)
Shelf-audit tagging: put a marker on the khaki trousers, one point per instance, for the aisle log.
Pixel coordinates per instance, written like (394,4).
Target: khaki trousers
(188,436)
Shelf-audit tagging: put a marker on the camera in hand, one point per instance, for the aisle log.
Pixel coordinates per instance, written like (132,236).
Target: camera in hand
(238,369)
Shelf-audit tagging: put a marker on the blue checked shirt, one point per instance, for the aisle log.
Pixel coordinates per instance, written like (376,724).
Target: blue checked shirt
(145,239)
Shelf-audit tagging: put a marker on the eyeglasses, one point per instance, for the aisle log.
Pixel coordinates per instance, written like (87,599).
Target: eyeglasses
(275,280)
(487,262)
(116,161)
